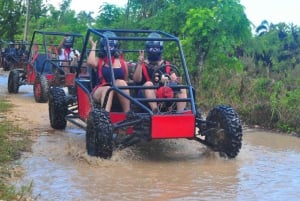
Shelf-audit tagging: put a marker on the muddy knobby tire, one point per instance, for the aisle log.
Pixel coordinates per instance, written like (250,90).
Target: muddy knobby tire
(228,123)
(99,134)
(57,108)
(40,89)
(13,82)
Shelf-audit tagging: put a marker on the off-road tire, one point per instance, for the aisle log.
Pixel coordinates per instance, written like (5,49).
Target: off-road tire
(40,89)
(199,119)
(228,122)
(72,90)
(13,82)
(199,114)
(99,134)
(57,108)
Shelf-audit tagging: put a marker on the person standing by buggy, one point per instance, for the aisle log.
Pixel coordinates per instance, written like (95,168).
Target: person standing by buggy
(145,69)
(101,65)
(66,53)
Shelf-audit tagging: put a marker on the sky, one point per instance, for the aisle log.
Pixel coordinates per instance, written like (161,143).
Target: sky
(274,11)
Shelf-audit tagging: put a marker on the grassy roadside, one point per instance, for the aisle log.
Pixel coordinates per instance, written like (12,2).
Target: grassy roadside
(13,141)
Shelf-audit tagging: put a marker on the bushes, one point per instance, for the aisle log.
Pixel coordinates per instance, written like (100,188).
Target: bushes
(259,100)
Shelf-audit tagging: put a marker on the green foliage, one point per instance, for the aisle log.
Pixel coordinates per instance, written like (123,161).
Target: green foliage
(289,107)
(4,105)
(110,16)
(10,16)
(213,31)
(262,87)
(258,74)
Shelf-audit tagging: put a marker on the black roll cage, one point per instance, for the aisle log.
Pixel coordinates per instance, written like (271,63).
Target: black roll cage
(119,90)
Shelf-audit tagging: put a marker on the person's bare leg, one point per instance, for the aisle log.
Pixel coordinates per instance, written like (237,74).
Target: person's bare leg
(66,67)
(99,96)
(150,93)
(125,103)
(181,105)
(109,101)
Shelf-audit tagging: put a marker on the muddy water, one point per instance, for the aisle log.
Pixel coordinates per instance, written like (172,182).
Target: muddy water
(266,169)
(165,170)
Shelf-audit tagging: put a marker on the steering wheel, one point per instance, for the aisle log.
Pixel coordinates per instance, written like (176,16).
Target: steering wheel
(160,75)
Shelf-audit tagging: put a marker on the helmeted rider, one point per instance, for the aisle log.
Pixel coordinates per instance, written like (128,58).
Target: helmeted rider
(102,65)
(144,73)
(66,53)
(113,46)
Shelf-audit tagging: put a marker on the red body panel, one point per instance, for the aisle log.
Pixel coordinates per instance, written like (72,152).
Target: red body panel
(49,77)
(117,116)
(70,79)
(173,126)
(84,106)
(30,74)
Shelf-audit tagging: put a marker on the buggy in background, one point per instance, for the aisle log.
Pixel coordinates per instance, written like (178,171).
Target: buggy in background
(13,54)
(44,67)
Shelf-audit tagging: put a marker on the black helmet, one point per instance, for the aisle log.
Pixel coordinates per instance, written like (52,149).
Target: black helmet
(154,48)
(68,42)
(112,44)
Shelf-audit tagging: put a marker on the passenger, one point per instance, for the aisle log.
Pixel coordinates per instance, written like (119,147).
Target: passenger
(67,53)
(101,65)
(52,51)
(146,67)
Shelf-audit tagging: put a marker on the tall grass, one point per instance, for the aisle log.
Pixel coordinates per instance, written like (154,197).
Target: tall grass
(13,140)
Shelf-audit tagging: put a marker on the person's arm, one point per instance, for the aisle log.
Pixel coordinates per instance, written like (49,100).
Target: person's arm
(137,75)
(175,78)
(126,77)
(92,60)
(60,45)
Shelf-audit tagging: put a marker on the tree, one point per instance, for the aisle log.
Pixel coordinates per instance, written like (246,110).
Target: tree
(10,17)
(213,30)
(262,28)
(110,16)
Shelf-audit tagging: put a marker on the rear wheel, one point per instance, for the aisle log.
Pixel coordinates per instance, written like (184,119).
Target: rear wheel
(224,131)
(40,89)
(99,134)
(13,81)
(57,108)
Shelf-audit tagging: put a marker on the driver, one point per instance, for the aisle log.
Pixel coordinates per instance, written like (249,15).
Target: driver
(146,67)
(67,54)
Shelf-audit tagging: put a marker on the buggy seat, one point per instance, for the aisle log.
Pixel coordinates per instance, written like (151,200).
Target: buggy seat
(43,64)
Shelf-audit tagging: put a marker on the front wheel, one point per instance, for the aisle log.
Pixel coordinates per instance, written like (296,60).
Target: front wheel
(57,108)
(13,82)
(99,134)
(40,89)
(224,131)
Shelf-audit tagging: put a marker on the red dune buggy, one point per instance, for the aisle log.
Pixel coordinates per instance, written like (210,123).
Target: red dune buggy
(13,54)
(44,67)
(106,131)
